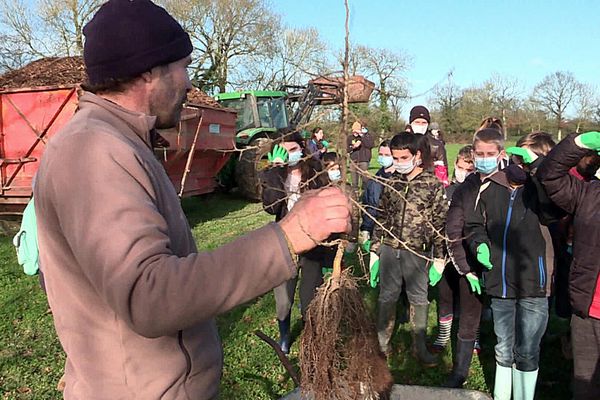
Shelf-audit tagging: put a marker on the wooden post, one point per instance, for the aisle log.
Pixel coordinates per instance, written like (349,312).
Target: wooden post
(188,163)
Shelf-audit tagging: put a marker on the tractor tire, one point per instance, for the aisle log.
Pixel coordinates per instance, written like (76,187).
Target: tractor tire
(248,167)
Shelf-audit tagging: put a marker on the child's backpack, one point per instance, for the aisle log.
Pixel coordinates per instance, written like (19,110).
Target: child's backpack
(26,243)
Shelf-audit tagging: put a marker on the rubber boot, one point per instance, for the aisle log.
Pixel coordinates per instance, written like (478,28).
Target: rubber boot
(386,319)
(462,362)
(523,383)
(418,319)
(443,336)
(503,383)
(284,334)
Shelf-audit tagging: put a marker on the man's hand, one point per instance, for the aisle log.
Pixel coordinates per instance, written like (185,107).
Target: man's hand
(589,140)
(317,215)
(373,269)
(474,282)
(527,155)
(279,155)
(436,271)
(356,144)
(483,255)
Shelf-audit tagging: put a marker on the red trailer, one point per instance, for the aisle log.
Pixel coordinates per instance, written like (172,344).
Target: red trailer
(33,110)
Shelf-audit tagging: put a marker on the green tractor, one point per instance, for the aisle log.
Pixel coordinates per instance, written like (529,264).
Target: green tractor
(262,115)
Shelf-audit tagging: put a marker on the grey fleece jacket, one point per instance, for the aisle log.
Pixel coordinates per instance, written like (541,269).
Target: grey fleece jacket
(133,301)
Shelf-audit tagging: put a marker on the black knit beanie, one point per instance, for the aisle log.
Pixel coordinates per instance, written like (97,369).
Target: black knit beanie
(419,112)
(129,37)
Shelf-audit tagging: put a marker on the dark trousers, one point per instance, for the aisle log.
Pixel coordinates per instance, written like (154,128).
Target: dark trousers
(311,277)
(470,304)
(362,175)
(398,267)
(585,334)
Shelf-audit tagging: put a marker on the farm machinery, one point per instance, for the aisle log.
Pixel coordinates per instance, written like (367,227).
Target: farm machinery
(264,115)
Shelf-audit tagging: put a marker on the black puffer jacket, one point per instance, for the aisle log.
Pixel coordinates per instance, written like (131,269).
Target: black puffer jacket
(512,223)
(582,199)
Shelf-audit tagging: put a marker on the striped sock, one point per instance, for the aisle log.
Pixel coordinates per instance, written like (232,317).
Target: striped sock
(477,346)
(445,328)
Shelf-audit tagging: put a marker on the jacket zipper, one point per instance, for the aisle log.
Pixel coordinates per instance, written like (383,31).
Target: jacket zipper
(513,195)
(542,272)
(403,212)
(186,354)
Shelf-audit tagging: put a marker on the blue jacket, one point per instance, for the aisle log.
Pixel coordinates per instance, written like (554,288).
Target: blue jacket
(370,200)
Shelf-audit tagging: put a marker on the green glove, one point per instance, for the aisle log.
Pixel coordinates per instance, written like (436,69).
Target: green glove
(474,282)
(325,143)
(589,140)
(373,269)
(366,246)
(527,155)
(483,255)
(278,155)
(436,271)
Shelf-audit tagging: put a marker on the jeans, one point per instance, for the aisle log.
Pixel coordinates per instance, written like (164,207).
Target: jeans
(586,357)
(519,325)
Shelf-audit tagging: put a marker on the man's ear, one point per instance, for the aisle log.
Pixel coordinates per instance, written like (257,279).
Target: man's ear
(147,76)
(418,155)
(503,153)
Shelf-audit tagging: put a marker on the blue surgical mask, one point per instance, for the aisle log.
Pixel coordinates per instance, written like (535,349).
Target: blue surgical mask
(294,158)
(486,165)
(364,130)
(334,175)
(385,161)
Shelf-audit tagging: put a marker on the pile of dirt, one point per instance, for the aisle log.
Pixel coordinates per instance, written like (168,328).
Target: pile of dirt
(198,97)
(51,71)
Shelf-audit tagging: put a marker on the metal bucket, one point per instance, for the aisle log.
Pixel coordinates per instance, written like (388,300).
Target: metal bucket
(407,392)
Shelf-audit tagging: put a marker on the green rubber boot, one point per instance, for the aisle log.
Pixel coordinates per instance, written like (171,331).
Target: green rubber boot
(523,383)
(503,383)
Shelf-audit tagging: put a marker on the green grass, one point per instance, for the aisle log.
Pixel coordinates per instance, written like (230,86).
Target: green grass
(31,360)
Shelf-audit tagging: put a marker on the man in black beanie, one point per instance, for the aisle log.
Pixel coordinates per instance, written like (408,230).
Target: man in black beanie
(419,121)
(132,299)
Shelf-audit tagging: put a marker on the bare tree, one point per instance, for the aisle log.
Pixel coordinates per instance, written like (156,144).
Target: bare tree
(223,33)
(504,95)
(298,56)
(447,99)
(585,104)
(65,20)
(554,94)
(47,28)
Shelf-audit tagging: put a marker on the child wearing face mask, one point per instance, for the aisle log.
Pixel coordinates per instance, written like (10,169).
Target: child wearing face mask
(459,278)
(507,233)
(448,287)
(413,211)
(288,176)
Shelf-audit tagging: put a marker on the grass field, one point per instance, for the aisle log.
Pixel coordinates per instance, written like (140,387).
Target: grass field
(31,359)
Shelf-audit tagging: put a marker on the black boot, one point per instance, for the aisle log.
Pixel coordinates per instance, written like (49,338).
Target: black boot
(462,362)
(418,317)
(284,334)
(386,319)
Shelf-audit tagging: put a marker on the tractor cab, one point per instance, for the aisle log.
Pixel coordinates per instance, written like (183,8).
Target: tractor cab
(259,112)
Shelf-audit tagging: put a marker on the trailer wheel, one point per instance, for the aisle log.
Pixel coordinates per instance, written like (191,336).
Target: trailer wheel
(252,160)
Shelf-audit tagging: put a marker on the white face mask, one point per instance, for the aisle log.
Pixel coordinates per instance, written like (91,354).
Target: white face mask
(460,174)
(405,168)
(419,128)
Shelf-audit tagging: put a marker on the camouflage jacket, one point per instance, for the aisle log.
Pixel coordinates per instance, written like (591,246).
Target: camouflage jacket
(415,213)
